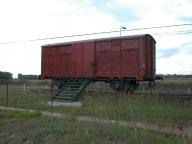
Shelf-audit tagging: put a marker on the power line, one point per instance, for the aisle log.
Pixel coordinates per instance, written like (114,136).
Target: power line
(173,33)
(98,33)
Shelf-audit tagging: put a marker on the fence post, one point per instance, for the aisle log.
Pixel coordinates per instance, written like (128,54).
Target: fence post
(46,86)
(24,86)
(7,94)
(51,95)
(116,107)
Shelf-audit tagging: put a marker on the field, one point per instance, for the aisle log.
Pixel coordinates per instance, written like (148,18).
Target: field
(117,106)
(29,128)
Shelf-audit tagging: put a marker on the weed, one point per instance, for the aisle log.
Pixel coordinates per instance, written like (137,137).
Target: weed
(44,130)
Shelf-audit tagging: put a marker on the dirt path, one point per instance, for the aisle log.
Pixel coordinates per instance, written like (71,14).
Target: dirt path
(163,128)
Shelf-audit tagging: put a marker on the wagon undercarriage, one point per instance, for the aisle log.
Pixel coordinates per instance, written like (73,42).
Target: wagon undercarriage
(70,89)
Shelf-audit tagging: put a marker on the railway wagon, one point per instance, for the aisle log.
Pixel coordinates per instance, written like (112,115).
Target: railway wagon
(120,61)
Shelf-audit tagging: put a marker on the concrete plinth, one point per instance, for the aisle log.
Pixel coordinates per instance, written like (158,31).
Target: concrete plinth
(67,104)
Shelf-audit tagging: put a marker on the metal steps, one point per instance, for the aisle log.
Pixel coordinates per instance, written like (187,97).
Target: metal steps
(72,90)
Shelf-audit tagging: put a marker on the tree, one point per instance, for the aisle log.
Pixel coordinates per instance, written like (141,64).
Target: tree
(6,75)
(20,76)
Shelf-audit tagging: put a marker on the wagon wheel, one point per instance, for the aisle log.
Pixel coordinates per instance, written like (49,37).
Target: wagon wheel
(117,85)
(131,86)
(151,84)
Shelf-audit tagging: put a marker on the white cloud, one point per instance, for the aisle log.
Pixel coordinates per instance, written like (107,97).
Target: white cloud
(21,58)
(177,64)
(171,41)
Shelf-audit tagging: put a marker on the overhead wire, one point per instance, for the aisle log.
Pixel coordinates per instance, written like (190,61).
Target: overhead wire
(173,33)
(105,32)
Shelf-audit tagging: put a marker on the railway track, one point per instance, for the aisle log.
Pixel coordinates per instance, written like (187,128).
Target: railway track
(141,92)
(182,96)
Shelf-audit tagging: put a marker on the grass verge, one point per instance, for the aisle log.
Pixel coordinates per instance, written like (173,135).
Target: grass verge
(22,127)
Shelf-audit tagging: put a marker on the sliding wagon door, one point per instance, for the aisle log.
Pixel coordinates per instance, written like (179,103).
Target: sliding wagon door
(116,58)
(103,59)
(129,58)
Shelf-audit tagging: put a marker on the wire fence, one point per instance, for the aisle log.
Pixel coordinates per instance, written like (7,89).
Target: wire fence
(100,105)
(168,88)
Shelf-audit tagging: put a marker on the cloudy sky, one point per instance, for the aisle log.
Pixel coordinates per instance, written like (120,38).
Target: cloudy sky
(23,20)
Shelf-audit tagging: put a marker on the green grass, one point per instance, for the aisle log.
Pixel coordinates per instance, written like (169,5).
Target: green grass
(19,114)
(30,128)
(133,108)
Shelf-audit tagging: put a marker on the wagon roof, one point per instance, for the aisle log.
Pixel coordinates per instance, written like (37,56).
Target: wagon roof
(99,39)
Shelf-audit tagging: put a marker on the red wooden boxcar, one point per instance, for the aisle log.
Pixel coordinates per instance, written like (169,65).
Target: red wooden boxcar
(128,58)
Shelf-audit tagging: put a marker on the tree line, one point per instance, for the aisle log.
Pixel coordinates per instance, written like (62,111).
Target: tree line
(175,75)
(9,76)
(27,77)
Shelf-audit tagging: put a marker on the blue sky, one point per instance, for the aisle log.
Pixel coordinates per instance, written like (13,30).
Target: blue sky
(123,13)
(168,52)
(33,19)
